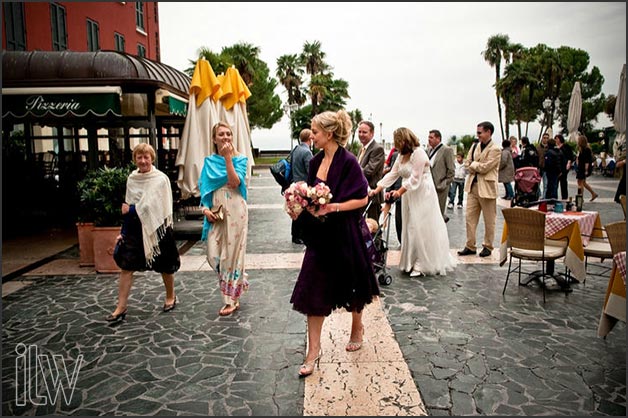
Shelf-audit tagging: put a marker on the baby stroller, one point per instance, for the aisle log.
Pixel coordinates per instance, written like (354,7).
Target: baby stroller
(527,186)
(378,246)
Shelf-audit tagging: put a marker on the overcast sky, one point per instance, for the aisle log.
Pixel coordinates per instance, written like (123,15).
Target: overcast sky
(417,65)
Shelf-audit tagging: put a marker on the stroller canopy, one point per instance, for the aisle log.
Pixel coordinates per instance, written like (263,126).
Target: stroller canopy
(526,179)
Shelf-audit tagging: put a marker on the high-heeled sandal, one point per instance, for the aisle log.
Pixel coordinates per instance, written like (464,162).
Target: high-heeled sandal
(307,368)
(116,318)
(170,306)
(355,345)
(229,309)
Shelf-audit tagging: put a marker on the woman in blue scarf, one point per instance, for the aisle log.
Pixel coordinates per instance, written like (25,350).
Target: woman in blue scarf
(223,202)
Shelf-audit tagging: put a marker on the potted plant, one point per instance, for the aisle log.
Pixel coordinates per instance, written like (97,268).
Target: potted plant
(102,194)
(85,222)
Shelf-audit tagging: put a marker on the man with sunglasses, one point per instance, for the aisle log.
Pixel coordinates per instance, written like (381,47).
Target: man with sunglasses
(482,163)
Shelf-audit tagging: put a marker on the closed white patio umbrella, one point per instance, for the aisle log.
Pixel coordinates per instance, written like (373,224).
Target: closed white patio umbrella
(619,118)
(574,112)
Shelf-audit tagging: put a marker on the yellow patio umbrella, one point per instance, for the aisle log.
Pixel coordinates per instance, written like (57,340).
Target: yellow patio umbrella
(196,136)
(233,111)
(574,113)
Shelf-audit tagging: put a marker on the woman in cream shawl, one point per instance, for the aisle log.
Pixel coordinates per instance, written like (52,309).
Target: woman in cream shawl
(146,239)
(223,202)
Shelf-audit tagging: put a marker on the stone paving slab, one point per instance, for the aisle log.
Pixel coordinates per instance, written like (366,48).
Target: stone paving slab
(469,350)
(374,380)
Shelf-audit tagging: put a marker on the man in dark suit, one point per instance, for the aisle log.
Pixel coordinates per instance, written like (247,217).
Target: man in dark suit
(371,159)
(442,167)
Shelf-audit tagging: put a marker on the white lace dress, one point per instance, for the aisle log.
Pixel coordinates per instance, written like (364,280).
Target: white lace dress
(424,239)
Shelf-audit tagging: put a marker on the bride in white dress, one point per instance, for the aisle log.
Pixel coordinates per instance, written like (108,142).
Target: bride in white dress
(424,240)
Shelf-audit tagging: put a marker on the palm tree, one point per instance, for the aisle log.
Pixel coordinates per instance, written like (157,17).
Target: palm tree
(496,49)
(318,90)
(290,75)
(356,117)
(243,57)
(336,95)
(313,58)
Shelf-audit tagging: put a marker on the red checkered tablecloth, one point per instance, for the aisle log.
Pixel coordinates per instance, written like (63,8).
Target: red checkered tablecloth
(554,222)
(620,262)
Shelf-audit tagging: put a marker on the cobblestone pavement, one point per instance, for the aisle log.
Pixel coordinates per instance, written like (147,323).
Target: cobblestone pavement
(471,351)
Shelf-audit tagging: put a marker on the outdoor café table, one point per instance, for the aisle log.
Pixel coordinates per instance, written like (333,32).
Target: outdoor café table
(577,226)
(614,308)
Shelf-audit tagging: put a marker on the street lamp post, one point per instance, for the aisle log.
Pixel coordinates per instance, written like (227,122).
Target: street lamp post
(289,108)
(380,131)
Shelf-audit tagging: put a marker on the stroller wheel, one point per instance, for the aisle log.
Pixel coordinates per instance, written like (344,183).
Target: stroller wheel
(384,280)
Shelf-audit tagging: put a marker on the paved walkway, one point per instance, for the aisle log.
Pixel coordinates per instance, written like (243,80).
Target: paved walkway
(436,346)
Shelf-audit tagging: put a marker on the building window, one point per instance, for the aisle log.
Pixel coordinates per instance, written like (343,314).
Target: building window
(58,25)
(141,50)
(93,43)
(139,15)
(14,23)
(118,41)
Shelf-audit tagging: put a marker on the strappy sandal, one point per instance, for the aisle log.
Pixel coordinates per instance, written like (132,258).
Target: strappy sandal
(229,309)
(355,345)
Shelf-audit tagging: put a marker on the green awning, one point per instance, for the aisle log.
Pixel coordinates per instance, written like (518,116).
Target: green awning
(60,105)
(177,107)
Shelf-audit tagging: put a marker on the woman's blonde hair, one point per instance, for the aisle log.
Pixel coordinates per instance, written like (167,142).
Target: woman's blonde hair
(215,131)
(405,140)
(583,142)
(144,149)
(338,123)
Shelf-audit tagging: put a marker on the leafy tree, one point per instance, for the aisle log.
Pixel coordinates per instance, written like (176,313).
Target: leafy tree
(609,106)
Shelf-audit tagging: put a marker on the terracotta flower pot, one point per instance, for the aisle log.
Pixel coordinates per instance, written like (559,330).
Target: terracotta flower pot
(86,243)
(104,244)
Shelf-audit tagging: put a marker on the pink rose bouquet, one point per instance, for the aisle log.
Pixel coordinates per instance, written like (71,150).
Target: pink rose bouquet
(320,196)
(296,198)
(299,196)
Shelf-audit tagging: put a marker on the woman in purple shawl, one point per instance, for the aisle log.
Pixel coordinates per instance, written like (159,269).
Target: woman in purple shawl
(336,271)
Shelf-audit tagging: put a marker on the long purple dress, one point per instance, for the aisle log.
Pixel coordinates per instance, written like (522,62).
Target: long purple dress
(336,270)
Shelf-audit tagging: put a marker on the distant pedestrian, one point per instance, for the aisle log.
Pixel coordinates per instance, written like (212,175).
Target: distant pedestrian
(529,156)
(553,169)
(619,151)
(514,148)
(541,147)
(568,158)
(584,166)
(442,168)
(301,156)
(460,173)
(506,174)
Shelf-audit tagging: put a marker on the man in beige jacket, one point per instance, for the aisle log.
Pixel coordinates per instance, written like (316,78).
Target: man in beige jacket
(481,188)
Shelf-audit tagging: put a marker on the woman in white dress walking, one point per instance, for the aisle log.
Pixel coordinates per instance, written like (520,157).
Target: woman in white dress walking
(424,240)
